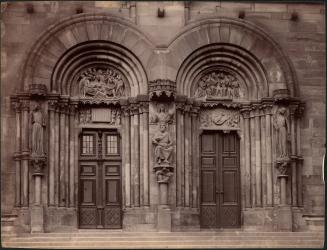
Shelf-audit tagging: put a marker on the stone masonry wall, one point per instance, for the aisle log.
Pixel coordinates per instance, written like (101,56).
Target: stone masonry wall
(302,40)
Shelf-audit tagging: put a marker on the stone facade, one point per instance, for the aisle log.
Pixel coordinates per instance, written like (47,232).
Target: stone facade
(161,75)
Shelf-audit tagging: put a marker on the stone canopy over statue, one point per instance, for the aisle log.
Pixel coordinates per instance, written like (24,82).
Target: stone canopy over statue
(218,84)
(101,83)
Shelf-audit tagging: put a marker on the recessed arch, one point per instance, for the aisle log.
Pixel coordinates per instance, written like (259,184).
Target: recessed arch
(65,35)
(256,49)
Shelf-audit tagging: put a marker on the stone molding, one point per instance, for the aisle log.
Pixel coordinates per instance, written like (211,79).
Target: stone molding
(160,87)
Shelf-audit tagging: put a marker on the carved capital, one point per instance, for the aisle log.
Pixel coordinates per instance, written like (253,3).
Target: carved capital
(245,111)
(25,104)
(144,107)
(282,165)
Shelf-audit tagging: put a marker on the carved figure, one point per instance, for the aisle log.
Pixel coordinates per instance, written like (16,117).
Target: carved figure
(163,145)
(281,125)
(162,116)
(218,85)
(219,117)
(163,175)
(37,131)
(99,83)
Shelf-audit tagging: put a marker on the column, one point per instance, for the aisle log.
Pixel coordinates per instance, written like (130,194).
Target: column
(298,152)
(135,163)
(71,165)
(126,155)
(25,152)
(253,162)
(180,155)
(62,186)
(187,143)
(240,133)
(269,155)
(76,156)
(195,158)
(145,118)
(141,153)
(293,156)
(67,151)
(247,154)
(258,158)
(56,155)
(263,157)
(17,154)
(51,108)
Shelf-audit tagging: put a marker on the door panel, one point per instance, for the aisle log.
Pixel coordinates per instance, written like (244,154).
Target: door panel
(220,201)
(100,180)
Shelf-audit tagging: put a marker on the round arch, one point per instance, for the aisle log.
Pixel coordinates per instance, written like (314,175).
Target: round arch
(238,43)
(63,38)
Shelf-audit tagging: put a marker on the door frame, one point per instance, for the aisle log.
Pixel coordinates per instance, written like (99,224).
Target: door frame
(214,131)
(95,128)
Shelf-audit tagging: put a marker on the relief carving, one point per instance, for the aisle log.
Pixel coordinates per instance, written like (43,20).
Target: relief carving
(218,84)
(220,118)
(38,124)
(101,83)
(163,114)
(85,116)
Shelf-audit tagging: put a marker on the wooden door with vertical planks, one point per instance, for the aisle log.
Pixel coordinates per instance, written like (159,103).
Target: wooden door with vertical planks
(220,180)
(100,179)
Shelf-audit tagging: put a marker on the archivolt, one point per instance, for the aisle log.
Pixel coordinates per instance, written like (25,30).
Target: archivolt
(65,38)
(232,43)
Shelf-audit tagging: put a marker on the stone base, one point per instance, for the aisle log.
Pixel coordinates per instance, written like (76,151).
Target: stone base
(284,219)
(37,219)
(164,219)
(259,219)
(60,219)
(185,219)
(315,222)
(139,219)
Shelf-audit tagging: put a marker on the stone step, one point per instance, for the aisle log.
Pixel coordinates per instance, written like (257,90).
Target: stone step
(168,244)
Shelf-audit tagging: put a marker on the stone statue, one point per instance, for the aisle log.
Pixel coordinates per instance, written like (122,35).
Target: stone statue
(37,131)
(281,126)
(163,145)
(163,115)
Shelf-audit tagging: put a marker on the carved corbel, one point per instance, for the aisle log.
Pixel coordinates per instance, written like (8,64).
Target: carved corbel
(161,88)
(37,91)
(38,165)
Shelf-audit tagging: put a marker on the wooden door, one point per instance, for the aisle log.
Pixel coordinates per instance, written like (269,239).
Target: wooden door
(220,180)
(100,179)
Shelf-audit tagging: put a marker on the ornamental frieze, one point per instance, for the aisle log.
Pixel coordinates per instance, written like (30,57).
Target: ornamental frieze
(218,85)
(101,83)
(221,118)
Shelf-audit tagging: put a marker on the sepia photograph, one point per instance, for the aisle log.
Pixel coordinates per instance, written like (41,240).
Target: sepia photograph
(163,124)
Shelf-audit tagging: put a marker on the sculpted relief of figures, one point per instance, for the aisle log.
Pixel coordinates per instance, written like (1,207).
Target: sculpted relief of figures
(219,118)
(112,116)
(280,122)
(218,84)
(101,83)
(162,114)
(38,124)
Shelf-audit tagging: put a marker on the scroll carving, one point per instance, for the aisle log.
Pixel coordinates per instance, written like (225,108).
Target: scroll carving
(220,118)
(38,124)
(101,83)
(220,85)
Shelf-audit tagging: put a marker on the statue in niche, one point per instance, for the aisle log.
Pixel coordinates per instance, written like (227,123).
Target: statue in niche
(38,125)
(101,83)
(218,84)
(280,123)
(163,145)
(163,115)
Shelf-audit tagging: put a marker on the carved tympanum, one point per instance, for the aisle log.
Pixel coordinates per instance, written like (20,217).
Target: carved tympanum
(219,118)
(163,114)
(101,83)
(38,124)
(218,84)
(280,122)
